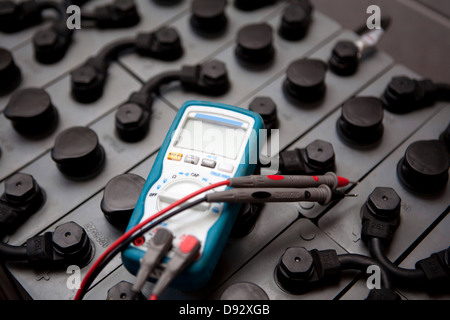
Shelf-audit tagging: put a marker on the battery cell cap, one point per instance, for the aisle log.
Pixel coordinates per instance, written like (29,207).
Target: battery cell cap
(254,44)
(208,17)
(78,153)
(32,112)
(361,121)
(120,197)
(305,80)
(424,167)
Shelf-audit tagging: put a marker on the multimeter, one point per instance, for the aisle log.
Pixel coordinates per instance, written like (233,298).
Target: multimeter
(206,143)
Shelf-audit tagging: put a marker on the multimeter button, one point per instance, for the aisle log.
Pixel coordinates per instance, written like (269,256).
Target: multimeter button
(208,163)
(226,167)
(175,156)
(191,159)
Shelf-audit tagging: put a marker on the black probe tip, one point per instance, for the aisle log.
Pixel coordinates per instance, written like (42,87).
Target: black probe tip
(338,195)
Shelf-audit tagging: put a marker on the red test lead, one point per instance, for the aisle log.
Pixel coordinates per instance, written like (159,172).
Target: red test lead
(322,195)
(289,181)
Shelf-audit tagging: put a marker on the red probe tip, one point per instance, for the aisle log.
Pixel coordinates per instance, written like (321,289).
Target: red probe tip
(342,182)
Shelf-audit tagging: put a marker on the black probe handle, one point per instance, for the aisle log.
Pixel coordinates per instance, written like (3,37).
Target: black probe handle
(322,194)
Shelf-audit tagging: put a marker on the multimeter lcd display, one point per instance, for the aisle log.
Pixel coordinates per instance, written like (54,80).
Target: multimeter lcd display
(211,134)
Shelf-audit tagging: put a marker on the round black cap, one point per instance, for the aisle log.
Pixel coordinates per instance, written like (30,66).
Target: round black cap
(208,16)
(78,154)
(361,121)
(424,167)
(120,197)
(305,80)
(254,44)
(31,112)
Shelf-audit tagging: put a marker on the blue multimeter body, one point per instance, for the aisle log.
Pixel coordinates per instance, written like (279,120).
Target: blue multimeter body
(206,143)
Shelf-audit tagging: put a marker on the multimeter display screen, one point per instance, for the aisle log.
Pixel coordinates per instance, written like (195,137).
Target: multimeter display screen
(212,135)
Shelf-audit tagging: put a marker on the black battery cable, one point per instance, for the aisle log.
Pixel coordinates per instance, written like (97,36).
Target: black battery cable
(380,219)
(88,80)
(132,119)
(50,44)
(300,270)
(67,244)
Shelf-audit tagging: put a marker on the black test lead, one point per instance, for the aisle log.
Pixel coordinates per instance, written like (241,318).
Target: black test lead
(322,194)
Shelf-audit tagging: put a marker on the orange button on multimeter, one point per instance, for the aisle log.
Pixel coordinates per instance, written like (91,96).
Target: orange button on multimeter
(175,156)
